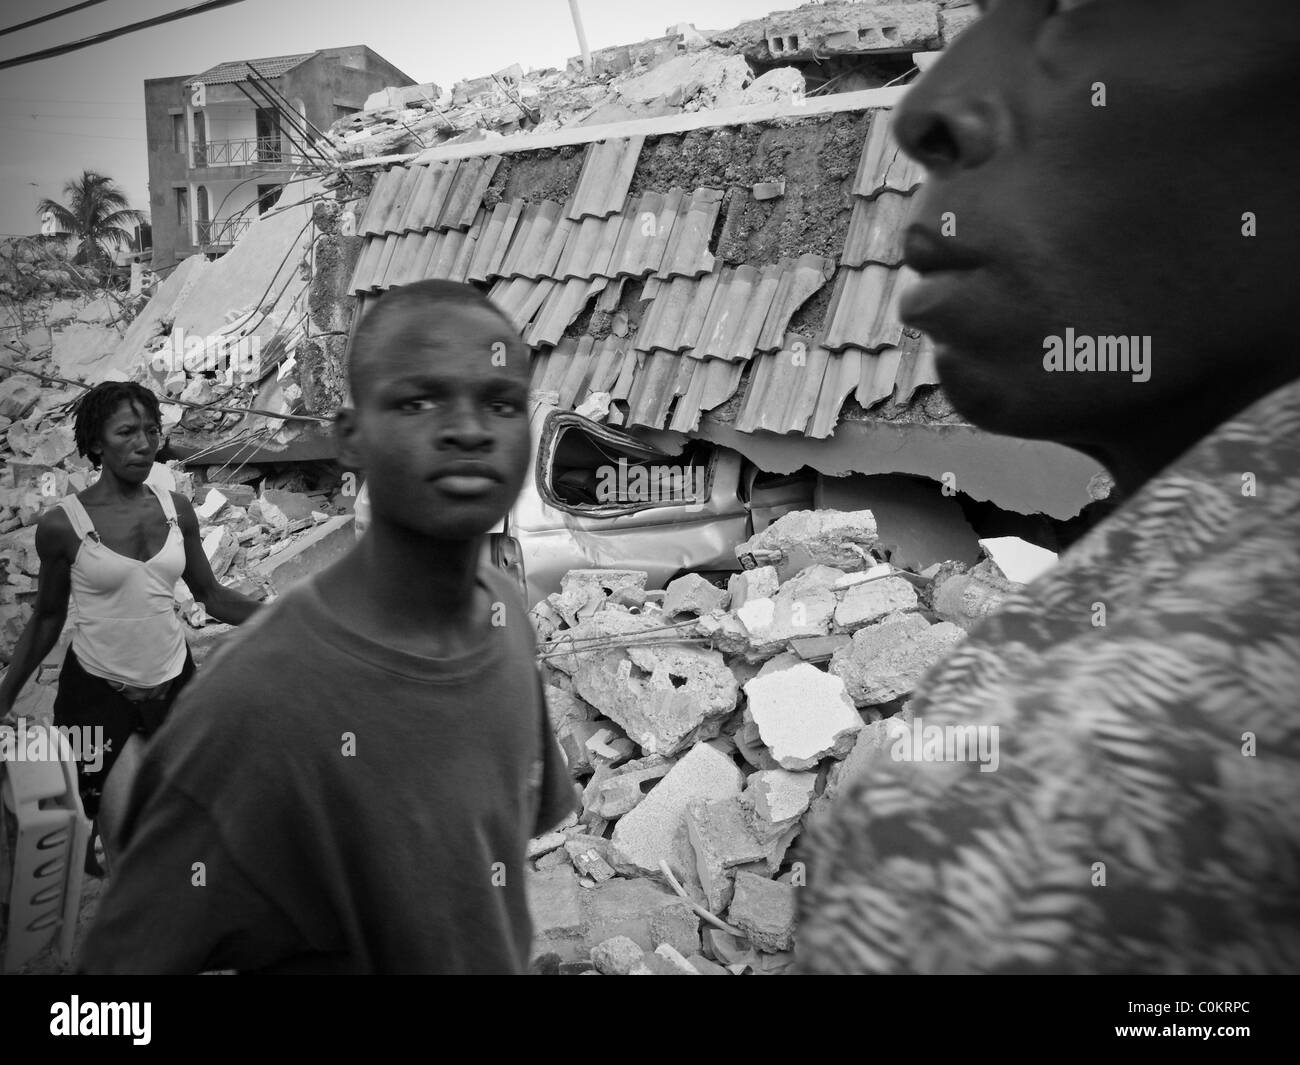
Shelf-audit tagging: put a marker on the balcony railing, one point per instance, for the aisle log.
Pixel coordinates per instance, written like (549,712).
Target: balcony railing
(254,151)
(222,230)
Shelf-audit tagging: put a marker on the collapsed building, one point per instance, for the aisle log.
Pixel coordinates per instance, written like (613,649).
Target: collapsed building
(699,239)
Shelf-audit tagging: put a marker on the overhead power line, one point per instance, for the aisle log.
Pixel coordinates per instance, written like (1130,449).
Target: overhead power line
(108,35)
(46,18)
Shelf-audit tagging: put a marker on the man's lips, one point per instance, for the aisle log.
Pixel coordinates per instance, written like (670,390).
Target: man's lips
(945,269)
(466,478)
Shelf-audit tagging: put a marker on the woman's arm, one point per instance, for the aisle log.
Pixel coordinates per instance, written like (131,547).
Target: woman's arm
(221,603)
(54,540)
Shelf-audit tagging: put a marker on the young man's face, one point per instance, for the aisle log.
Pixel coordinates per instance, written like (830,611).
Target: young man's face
(128,443)
(441,425)
(1045,210)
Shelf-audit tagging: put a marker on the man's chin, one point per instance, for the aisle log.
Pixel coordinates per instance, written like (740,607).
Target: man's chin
(992,395)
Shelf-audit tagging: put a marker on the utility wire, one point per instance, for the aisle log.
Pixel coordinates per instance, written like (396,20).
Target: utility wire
(108,35)
(46,18)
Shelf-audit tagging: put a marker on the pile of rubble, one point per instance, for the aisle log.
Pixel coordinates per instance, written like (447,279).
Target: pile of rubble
(708,726)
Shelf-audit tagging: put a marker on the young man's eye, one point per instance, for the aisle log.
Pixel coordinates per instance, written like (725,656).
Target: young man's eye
(504,407)
(418,406)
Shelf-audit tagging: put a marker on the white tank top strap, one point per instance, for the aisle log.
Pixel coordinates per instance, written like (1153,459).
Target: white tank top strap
(168,504)
(81,523)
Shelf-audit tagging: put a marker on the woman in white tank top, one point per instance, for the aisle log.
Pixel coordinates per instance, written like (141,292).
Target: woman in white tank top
(115,551)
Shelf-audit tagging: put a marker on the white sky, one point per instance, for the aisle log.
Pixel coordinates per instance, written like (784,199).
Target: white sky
(85,110)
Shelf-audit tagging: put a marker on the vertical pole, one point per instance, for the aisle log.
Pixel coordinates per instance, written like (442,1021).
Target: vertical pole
(582,36)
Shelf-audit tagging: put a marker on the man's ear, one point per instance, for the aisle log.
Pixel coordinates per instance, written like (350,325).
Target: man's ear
(347,431)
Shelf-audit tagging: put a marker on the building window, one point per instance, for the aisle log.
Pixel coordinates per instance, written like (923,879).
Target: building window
(267,195)
(183,211)
(178,133)
(200,139)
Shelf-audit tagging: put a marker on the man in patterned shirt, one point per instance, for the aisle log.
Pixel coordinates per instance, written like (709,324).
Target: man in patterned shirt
(1100,172)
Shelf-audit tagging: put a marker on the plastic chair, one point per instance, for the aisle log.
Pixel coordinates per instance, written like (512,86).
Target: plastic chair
(48,853)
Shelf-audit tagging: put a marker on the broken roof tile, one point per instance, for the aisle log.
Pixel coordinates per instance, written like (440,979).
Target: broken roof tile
(677,313)
(882,164)
(783,387)
(561,307)
(643,236)
(711,384)
(439,195)
(520,297)
(843,371)
(799,280)
(688,252)
(465,194)
(736,313)
(537,242)
(876,380)
(490,251)
(876,228)
(863,311)
(574,369)
(917,369)
(382,197)
(606,175)
(590,247)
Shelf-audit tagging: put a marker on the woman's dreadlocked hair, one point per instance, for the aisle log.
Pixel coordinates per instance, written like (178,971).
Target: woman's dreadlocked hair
(99,404)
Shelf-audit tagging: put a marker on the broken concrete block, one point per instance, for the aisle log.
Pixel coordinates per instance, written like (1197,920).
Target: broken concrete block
(751,747)
(654,964)
(608,581)
(888,659)
(609,747)
(545,844)
(765,911)
(643,911)
(775,665)
(563,707)
(663,695)
(772,623)
(780,795)
(692,594)
(760,583)
(616,956)
(675,958)
(704,967)
(312,551)
(644,837)
(573,737)
(55,446)
(18,395)
(220,545)
(721,838)
(803,715)
(869,601)
(213,503)
(1019,561)
(769,190)
(618,793)
(830,537)
(726,948)
(870,748)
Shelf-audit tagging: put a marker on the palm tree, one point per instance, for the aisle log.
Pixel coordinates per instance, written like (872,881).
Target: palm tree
(97,214)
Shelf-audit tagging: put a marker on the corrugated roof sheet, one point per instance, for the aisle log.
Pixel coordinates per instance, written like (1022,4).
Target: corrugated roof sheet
(229,73)
(605,178)
(882,165)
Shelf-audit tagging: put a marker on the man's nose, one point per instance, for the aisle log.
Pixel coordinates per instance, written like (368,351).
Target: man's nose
(465,428)
(956,117)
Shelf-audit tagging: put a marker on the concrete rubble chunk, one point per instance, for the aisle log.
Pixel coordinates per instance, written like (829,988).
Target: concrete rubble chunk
(616,956)
(662,695)
(765,911)
(760,583)
(619,792)
(780,795)
(870,749)
(869,601)
(608,580)
(803,537)
(675,958)
(887,660)
(692,594)
(644,837)
(213,503)
(704,967)
(803,715)
(1018,560)
(722,838)
(220,545)
(563,707)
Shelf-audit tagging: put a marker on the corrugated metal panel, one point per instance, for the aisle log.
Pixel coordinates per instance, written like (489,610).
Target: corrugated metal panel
(882,164)
(605,178)
(863,311)
(538,239)
(490,251)
(688,253)
(562,305)
(876,230)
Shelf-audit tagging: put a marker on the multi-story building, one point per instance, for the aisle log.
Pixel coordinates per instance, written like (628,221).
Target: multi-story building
(223,143)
